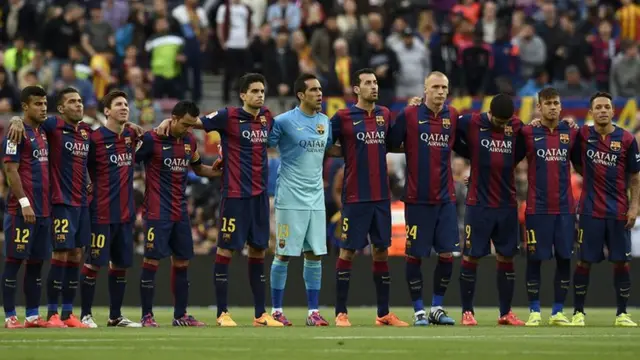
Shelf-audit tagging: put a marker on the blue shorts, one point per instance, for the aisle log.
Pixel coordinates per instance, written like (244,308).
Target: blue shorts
(547,235)
(27,241)
(594,234)
(431,226)
(361,221)
(163,238)
(299,231)
(111,242)
(244,221)
(71,227)
(484,225)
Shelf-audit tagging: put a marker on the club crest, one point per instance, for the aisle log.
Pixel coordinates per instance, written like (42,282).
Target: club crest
(615,145)
(187,149)
(281,243)
(380,120)
(508,130)
(320,129)
(84,134)
(263,120)
(564,138)
(446,123)
(127,141)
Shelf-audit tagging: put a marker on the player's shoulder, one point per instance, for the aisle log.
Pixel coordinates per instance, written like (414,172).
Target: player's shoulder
(265,111)
(384,110)
(526,130)
(516,123)
(453,112)
(150,136)
(343,113)
(626,136)
(285,116)
(190,138)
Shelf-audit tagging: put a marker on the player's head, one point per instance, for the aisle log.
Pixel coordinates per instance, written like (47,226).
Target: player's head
(601,108)
(116,106)
(365,85)
(252,90)
(69,104)
(549,104)
(183,117)
(308,91)
(34,103)
(436,88)
(501,110)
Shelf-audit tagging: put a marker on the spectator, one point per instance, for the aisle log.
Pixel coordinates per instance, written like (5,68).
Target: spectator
(603,49)
(488,24)
(195,31)
(98,36)
(340,70)
(281,66)
(414,60)
(263,46)
(477,60)
(533,51)
(145,111)
(573,86)
(166,61)
(285,14)
(134,78)
(233,21)
(20,19)
(16,57)
(61,33)
(80,64)
(625,72)
(506,62)
(350,23)
(444,57)
(43,71)
(548,30)
(115,12)
(68,78)
(101,72)
(9,101)
(533,86)
(322,42)
(312,16)
(629,17)
(306,64)
(470,10)
(385,64)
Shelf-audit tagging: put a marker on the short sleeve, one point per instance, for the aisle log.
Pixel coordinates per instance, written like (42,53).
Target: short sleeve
(145,147)
(398,131)
(195,159)
(220,15)
(633,157)
(462,128)
(11,151)
(216,121)
(576,149)
(335,127)
(521,146)
(276,132)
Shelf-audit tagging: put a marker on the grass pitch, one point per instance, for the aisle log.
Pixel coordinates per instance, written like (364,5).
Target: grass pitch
(598,340)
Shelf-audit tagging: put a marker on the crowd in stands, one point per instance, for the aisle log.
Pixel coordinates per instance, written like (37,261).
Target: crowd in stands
(158,50)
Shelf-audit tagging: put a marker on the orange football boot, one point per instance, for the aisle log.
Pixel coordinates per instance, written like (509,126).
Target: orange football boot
(13,323)
(342,320)
(37,323)
(55,322)
(510,319)
(390,320)
(468,319)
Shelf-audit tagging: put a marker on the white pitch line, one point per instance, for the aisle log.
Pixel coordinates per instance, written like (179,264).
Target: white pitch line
(471,337)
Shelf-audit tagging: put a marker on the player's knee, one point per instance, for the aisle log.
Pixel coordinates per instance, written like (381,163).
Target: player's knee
(94,267)
(504,259)
(60,255)
(282,258)
(470,259)
(380,254)
(179,262)
(445,256)
(153,262)
(347,254)
(309,255)
(224,252)
(583,264)
(257,253)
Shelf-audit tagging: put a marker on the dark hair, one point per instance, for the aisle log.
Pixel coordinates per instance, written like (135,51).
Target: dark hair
(30,91)
(548,93)
(107,100)
(185,107)
(599,94)
(64,92)
(502,106)
(355,79)
(300,84)
(247,79)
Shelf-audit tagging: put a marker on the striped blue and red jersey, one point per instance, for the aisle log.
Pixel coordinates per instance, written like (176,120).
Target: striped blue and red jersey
(243,138)
(492,151)
(607,163)
(166,164)
(32,157)
(111,163)
(428,139)
(69,151)
(363,137)
(548,153)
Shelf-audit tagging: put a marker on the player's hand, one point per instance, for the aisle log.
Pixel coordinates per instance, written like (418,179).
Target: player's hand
(29,215)
(219,163)
(571,122)
(16,130)
(136,128)
(164,127)
(632,214)
(536,122)
(466,181)
(89,189)
(414,101)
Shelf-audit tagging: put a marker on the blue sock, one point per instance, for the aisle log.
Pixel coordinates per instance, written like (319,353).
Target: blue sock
(220,281)
(441,279)
(257,283)
(561,284)
(54,286)
(32,287)
(312,275)
(413,274)
(180,289)
(117,282)
(533,284)
(147,288)
(278,282)
(10,285)
(69,289)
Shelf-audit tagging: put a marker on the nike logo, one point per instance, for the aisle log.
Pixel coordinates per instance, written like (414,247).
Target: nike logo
(340,273)
(592,140)
(423,122)
(243,121)
(484,129)
(539,138)
(456,244)
(580,286)
(263,322)
(108,146)
(65,132)
(357,122)
(33,139)
(627,254)
(414,282)
(166,147)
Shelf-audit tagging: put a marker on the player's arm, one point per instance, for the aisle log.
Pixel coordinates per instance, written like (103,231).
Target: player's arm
(633,168)
(576,156)
(137,129)
(276,132)
(398,132)
(11,162)
(460,144)
(334,124)
(521,147)
(203,170)
(144,148)
(336,192)
(16,130)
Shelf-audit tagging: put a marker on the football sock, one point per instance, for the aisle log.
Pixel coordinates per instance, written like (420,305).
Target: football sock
(180,290)
(441,279)
(87,289)
(117,284)
(580,287)
(147,287)
(468,274)
(622,282)
(382,281)
(32,287)
(413,273)
(70,288)
(54,286)
(278,282)
(533,284)
(257,282)
(9,285)
(561,284)
(312,275)
(220,271)
(343,276)
(506,277)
